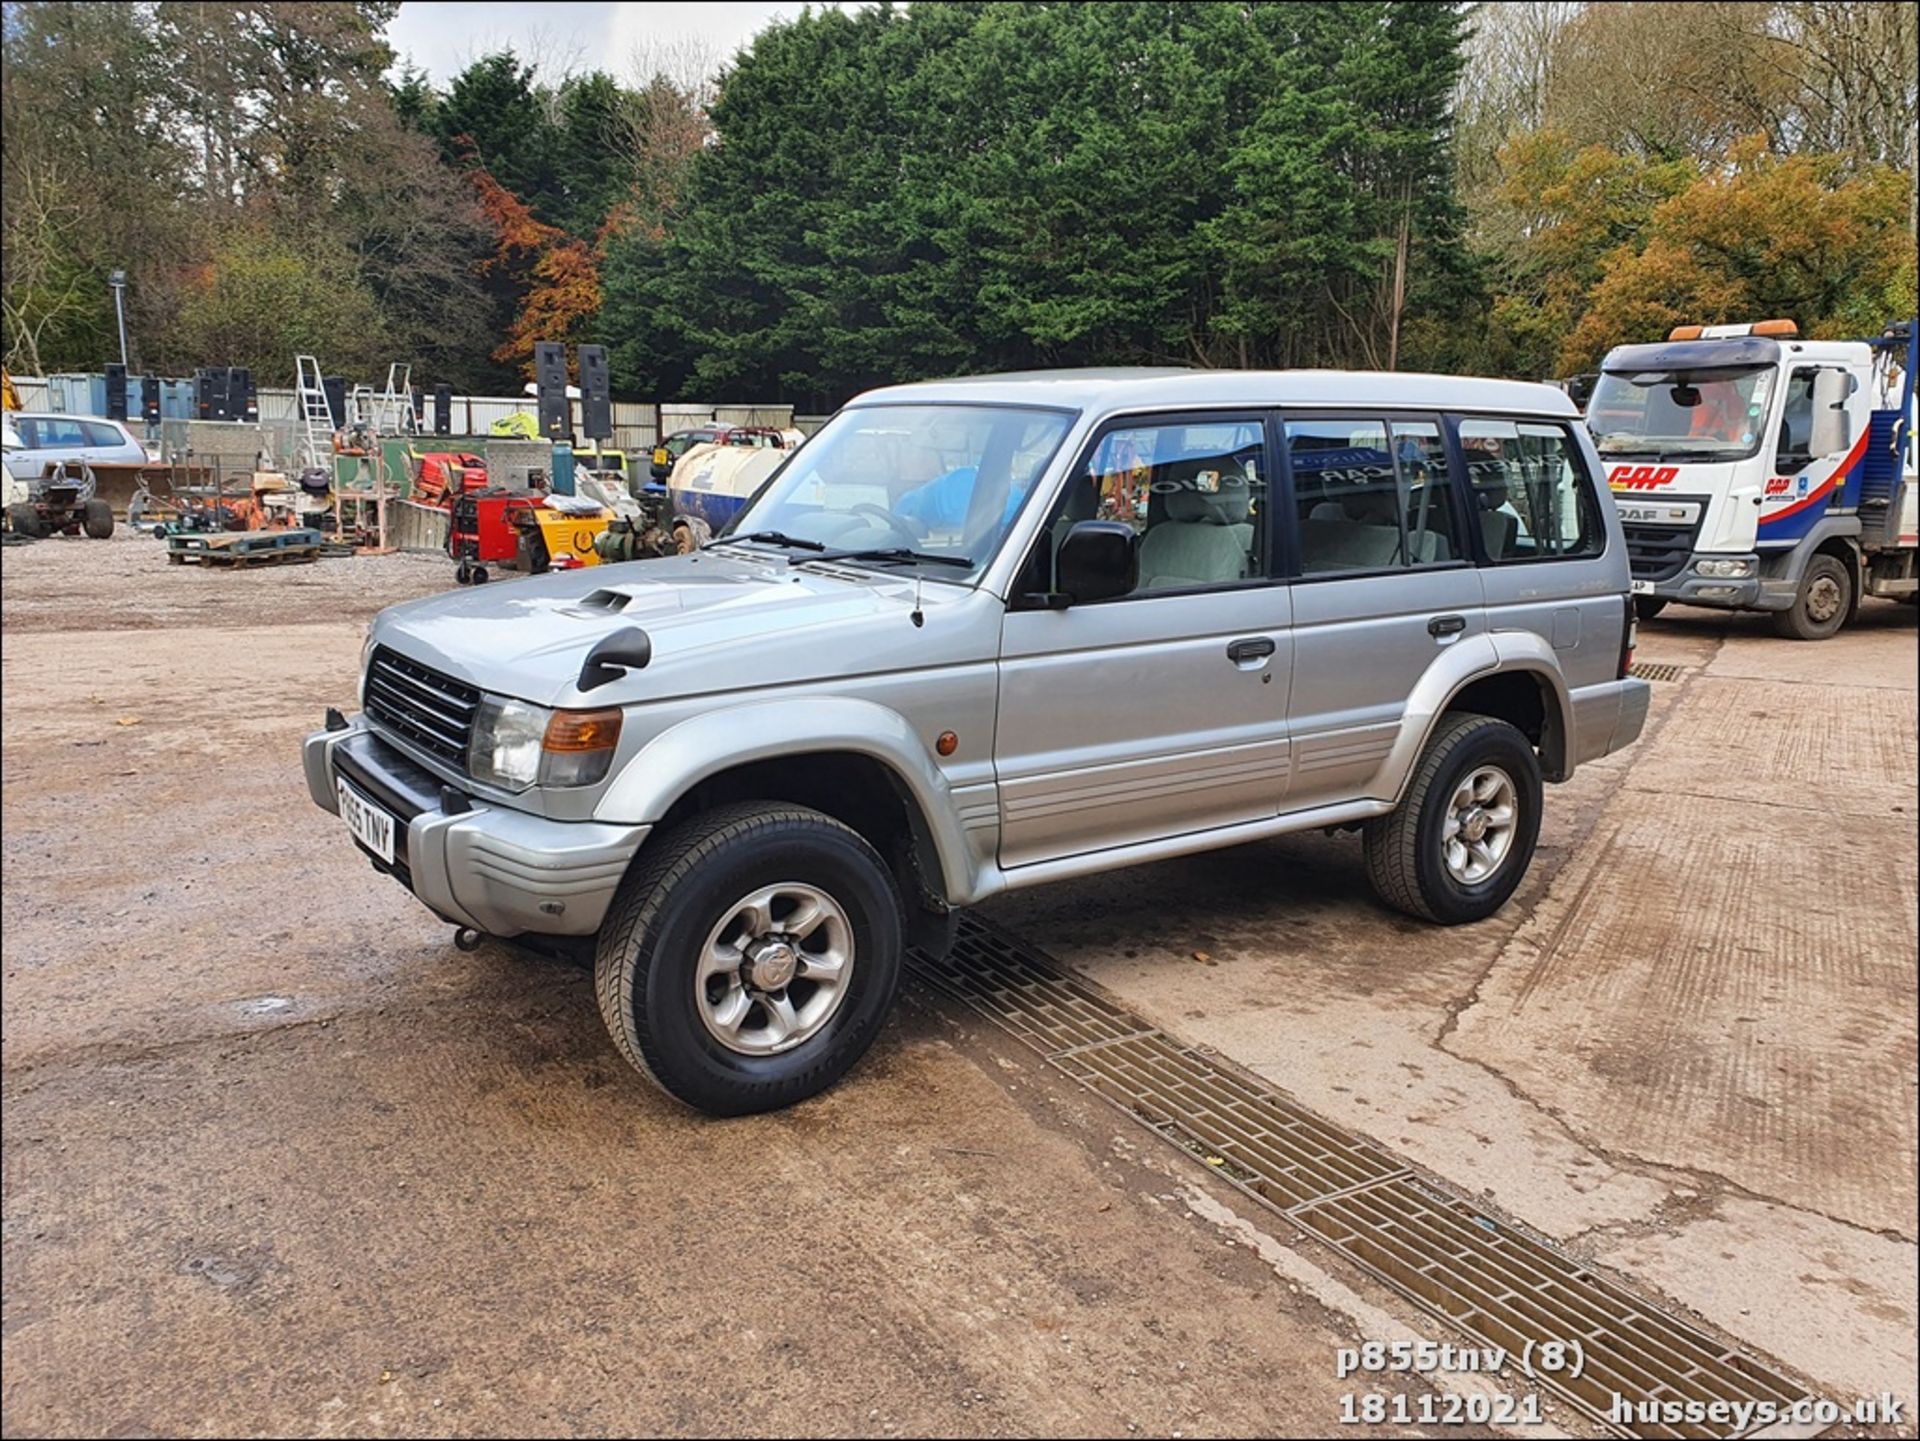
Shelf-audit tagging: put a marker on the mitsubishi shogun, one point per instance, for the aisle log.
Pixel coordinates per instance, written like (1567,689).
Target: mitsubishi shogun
(982,634)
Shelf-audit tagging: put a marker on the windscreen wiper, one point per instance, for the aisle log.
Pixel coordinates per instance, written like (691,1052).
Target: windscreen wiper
(893,553)
(769,537)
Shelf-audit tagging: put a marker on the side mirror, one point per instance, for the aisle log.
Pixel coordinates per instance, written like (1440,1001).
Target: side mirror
(1098,560)
(1831,433)
(624,650)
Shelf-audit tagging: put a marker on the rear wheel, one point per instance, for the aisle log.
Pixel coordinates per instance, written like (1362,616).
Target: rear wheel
(750,957)
(99,519)
(1824,602)
(1463,838)
(25,520)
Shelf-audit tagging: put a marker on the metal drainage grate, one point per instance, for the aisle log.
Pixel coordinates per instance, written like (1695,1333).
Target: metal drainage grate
(1493,1281)
(1654,670)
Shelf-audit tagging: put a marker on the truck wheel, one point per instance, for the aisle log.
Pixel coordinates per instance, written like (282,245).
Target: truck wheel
(1646,607)
(750,958)
(99,521)
(1463,837)
(25,520)
(1823,604)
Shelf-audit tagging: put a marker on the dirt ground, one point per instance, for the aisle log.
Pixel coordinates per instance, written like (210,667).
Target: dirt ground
(278,1158)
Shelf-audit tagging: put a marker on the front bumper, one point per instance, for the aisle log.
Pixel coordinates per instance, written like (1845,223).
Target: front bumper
(496,870)
(1749,592)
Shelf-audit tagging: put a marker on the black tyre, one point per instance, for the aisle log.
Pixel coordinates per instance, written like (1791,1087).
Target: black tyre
(1646,607)
(479,575)
(1464,835)
(463,574)
(25,520)
(750,957)
(1824,602)
(534,559)
(99,521)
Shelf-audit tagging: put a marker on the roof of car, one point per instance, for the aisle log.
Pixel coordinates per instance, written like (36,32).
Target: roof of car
(1134,388)
(13,415)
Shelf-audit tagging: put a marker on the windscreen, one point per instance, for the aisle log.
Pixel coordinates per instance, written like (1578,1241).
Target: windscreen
(943,481)
(1680,414)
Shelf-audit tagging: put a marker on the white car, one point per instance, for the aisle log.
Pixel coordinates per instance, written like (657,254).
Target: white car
(35,440)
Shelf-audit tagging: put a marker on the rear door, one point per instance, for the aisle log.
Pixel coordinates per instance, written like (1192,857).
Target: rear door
(1384,580)
(1162,712)
(1541,529)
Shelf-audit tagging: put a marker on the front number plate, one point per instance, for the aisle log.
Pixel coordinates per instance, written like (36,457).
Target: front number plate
(1643,587)
(371,826)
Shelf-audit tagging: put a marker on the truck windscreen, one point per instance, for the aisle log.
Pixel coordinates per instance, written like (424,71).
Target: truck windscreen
(1678,415)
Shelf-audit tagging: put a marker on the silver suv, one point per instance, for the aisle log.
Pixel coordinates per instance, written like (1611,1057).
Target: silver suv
(981,634)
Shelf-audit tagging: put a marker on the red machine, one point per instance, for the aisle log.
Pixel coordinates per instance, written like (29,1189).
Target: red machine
(484,530)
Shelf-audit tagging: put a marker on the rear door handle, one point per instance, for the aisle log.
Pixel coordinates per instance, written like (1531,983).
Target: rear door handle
(1446,625)
(1242,651)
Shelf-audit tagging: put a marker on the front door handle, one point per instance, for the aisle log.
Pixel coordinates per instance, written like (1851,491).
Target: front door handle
(1257,648)
(1446,625)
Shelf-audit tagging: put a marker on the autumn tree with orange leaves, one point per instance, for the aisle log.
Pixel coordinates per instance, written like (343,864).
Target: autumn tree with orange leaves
(555,276)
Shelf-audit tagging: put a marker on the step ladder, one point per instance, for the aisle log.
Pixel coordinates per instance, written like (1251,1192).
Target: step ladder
(393,411)
(316,420)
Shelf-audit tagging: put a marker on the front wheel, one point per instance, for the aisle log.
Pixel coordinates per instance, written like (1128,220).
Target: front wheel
(1464,836)
(1646,607)
(99,520)
(1823,603)
(750,957)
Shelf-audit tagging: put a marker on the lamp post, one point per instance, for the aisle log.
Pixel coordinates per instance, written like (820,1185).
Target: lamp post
(117,282)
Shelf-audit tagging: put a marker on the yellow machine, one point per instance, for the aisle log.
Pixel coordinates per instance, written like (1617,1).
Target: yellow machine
(552,539)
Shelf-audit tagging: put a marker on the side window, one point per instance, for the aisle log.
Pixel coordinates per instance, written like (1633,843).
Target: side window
(61,434)
(1426,496)
(1795,452)
(1194,492)
(1370,494)
(1531,495)
(100,433)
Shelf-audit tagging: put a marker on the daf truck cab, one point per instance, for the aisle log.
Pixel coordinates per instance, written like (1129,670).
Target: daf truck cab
(1755,470)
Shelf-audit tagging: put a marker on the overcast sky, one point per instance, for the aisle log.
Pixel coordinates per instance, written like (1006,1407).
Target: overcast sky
(441,36)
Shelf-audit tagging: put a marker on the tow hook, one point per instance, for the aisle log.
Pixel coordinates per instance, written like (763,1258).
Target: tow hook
(466,938)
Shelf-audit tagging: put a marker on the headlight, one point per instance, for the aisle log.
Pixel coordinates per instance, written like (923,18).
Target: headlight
(1726,569)
(515,744)
(505,748)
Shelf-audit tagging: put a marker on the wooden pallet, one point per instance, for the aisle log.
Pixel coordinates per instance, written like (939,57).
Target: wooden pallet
(240,549)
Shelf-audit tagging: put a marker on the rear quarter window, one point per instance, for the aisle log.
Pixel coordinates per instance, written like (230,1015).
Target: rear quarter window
(1531,495)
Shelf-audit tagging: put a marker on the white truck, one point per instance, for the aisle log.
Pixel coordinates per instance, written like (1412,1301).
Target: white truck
(1754,470)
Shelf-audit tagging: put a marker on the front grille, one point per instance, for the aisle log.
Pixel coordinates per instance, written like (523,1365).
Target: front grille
(419,704)
(1659,552)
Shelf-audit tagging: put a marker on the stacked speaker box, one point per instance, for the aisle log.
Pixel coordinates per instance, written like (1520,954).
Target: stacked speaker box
(116,392)
(211,401)
(596,396)
(443,410)
(418,399)
(243,400)
(335,389)
(550,385)
(150,398)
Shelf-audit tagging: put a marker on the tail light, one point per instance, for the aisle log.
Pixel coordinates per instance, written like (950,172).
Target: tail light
(1629,637)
